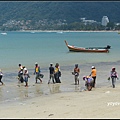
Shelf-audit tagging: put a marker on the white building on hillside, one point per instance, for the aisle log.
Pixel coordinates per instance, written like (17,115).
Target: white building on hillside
(105,20)
(87,21)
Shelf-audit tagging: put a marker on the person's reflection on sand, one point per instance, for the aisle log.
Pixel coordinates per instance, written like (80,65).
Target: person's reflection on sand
(1,93)
(26,92)
(54,88)
(22,92)
(76,88)
(38,89)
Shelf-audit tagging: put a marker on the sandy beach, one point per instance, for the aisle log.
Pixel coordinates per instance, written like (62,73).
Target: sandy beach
(98,103)
(67,100)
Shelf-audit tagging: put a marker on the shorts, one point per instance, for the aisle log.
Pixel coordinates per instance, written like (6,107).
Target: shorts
(26,79)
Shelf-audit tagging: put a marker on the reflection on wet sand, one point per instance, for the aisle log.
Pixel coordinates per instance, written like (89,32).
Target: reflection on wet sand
(38,90)
(54,88)
(1,94)
(77,88)
(30,91)
(22,92)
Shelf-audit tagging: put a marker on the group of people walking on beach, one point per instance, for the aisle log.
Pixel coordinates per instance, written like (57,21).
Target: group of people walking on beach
(55,74)
(23,74)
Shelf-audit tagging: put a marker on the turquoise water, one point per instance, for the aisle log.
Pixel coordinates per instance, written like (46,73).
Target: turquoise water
(46,47)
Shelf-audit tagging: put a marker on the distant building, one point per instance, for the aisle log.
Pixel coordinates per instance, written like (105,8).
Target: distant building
(105,20)
(87,21)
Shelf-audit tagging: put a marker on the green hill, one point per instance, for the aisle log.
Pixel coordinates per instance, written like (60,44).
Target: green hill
(70,11)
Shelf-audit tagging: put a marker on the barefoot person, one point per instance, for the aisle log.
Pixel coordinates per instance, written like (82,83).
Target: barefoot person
(93,74)
(51,73)
(20,73)
(114,76)
(57,73)
(76,74)
(37,72)
(26,76)
(88,82)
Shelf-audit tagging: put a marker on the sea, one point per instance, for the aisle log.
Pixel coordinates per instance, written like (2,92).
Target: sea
(45,47)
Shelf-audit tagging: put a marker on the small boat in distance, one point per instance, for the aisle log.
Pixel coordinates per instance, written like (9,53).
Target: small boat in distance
(89,49)
(32,32)
(4,33)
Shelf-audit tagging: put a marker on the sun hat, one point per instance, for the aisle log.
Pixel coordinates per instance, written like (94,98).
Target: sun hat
(93,67)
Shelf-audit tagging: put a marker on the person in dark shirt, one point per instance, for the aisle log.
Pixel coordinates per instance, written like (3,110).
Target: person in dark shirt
(51,72)
(20,73)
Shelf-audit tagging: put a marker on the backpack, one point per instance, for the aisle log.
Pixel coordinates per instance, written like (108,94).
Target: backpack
(59,73)
(41,75)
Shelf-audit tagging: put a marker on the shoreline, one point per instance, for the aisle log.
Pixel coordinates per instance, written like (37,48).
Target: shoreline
(44,68)
(62,31)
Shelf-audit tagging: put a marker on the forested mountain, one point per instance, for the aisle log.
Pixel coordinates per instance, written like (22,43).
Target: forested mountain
(70,11)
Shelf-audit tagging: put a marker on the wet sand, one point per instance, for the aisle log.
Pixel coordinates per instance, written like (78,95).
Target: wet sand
(63,100)
(98,103)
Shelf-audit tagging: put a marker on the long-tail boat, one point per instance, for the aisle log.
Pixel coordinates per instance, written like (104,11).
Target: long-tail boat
(88,49)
